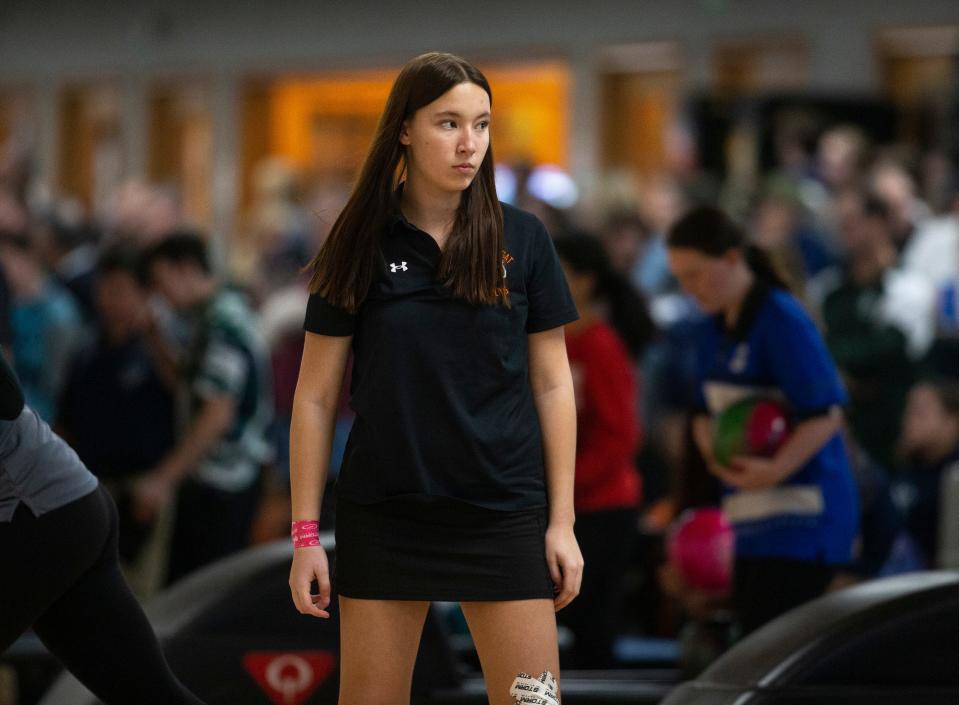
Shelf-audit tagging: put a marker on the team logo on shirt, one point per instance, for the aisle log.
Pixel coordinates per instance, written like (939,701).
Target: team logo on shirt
(739,358)
(506,258)
(401,267)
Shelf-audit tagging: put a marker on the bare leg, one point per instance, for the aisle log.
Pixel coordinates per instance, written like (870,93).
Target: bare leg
(379,640)
(513,637)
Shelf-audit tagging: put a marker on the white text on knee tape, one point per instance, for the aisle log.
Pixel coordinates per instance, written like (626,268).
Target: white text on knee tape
(534,691)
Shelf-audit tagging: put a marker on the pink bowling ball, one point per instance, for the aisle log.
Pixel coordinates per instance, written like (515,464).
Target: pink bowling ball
(700,545)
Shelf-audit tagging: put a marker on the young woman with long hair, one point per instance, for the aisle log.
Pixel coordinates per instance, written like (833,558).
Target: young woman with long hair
(794,515)
(457,480)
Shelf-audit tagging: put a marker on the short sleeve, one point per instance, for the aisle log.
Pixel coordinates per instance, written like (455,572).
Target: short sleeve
(550,303)
(224,369)
(326,319)
(802,367)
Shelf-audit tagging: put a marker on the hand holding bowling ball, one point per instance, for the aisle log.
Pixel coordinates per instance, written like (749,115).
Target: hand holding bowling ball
(754,427)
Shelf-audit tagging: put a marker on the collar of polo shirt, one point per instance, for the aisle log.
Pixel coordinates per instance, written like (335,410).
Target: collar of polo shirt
(752,303)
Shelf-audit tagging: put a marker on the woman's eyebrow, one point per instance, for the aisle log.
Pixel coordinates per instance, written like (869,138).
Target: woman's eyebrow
(454,114)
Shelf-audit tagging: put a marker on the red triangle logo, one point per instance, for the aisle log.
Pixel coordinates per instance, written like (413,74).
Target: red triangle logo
(289,677)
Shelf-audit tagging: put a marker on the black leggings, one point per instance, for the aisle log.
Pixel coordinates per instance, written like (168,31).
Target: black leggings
(60,575)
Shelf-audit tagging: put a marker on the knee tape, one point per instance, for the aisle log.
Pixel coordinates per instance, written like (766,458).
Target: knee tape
(534,691)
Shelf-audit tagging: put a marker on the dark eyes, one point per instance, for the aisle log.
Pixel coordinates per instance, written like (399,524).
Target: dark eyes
(451,124)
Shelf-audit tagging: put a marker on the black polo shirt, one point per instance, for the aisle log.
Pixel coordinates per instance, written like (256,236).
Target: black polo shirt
(440,387)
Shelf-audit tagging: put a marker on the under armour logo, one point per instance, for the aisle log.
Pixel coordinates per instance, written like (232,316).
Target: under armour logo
(401,267)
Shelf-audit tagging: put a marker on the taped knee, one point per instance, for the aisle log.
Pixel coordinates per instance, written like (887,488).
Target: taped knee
(535,691)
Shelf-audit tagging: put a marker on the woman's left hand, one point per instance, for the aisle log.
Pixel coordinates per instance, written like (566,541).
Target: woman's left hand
(565,564)
(752,473)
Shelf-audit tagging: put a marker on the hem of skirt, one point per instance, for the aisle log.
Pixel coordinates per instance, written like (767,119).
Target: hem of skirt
(414,498)
(434,596)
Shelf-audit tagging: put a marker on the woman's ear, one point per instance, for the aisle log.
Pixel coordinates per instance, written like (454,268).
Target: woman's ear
(405,132)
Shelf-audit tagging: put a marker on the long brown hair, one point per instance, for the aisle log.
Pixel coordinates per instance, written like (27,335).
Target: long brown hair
(344,267)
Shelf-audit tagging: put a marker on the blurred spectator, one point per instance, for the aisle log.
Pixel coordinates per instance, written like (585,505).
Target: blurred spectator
(879,323)
(661,204)
(16,168)
(636,252)
(624,236)
(44,318)
(895,187)
(780,227)
(682,161)
(276,246)
(794,141)
(143,213)
(70,251)
(281,325)
(930,446)
(611,332)
(116,410)
(933,253)
(938,180)
(842,158)
(226,375)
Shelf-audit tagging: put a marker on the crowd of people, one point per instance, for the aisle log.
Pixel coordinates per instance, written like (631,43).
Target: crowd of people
(150,364)
(171,373)
(865,239)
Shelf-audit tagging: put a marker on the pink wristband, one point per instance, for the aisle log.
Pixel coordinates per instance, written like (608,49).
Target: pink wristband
(305,533)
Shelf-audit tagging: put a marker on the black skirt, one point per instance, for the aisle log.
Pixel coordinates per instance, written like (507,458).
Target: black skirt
(437,548)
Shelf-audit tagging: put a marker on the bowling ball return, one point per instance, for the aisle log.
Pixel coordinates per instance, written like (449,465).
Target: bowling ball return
(893,641)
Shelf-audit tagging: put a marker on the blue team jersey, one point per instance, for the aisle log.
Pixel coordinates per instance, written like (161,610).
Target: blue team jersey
(776,351)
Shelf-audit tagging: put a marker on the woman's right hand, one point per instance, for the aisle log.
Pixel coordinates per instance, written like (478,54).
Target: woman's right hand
(310,563)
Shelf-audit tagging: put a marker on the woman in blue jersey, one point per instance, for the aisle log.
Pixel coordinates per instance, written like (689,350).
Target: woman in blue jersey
(795,515)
